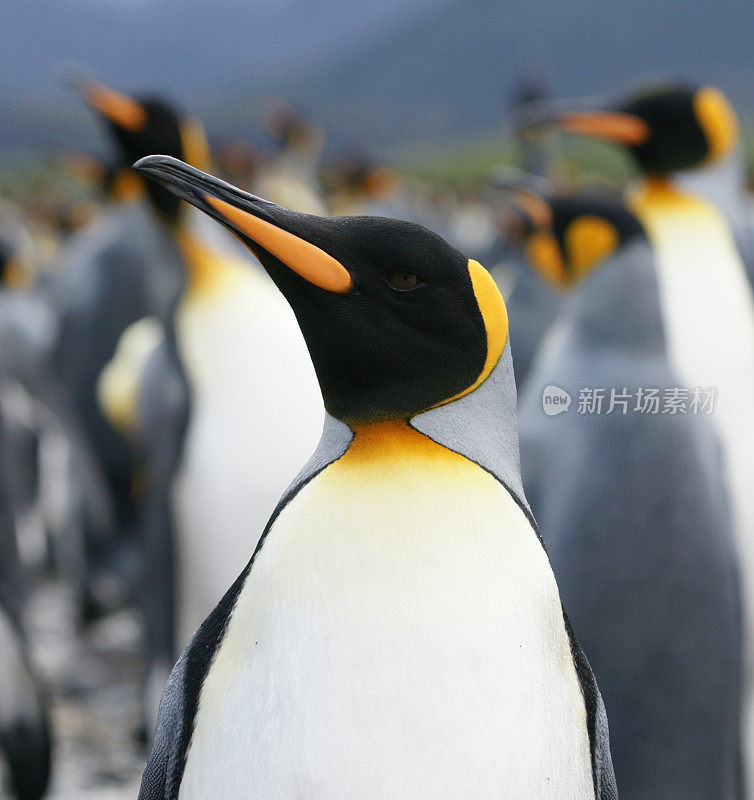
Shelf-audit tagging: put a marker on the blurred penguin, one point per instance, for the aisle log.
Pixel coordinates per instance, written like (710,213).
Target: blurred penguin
(187,394)
(124,267)
(708,304)
(633,506)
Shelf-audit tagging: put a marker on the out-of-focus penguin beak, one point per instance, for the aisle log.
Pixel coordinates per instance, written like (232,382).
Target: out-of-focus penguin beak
(119,108)
(612,126)
(599,123)
(276,230)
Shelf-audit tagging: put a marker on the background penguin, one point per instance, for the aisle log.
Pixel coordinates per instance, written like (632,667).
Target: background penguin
(188,397)
(126,266)
(25,742)
(129,270)
(633,509)
(398,629)
(687,130)
(707,303)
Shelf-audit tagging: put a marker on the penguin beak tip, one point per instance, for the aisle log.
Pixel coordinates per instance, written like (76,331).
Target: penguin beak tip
(156,163)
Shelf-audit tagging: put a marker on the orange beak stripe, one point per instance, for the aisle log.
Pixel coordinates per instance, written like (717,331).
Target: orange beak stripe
(612,126)
(304,258)
(119,108)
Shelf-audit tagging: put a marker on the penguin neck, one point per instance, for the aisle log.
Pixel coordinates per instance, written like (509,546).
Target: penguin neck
(658,185)
(482,426)
(618,304)
(390,441)
(659,193)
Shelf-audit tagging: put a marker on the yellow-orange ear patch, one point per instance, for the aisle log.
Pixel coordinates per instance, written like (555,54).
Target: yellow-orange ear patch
(495,317)
(304,258)
(118,108)
(494,314)
(543,252)
(589,240)
(718,121)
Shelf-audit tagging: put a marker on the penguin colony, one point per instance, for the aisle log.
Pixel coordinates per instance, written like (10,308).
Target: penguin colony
(298,446)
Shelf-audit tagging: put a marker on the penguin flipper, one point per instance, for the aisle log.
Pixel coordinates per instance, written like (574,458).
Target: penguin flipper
(160,781)
(603,773)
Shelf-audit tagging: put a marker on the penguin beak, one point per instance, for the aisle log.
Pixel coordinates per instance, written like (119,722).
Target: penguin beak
(257,222)
(612,126)
(120,109)
(606,124)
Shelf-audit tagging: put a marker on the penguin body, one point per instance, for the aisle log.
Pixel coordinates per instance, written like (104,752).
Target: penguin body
(379,587)
(398,629)
(636,517)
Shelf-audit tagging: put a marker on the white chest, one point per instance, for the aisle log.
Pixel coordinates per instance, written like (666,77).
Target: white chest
(400,635)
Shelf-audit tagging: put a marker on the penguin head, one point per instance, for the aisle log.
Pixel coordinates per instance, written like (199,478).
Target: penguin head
(142,125)
(565,238)
(667,128)
(396,320)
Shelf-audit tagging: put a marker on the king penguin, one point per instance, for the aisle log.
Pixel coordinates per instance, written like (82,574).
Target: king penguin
(200,424)
(398,631)
(121,285)
(183,389)
(632,507)
(124,267)
(707,302)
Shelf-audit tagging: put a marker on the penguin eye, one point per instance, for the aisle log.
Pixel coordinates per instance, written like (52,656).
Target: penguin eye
(404,281)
